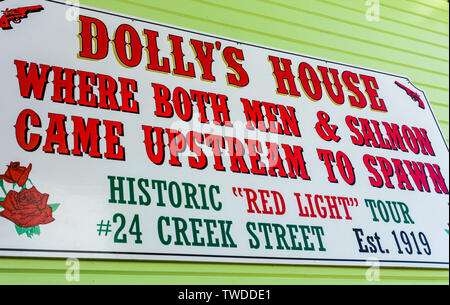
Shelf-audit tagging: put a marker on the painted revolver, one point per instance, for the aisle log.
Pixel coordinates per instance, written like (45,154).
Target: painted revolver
(412,94)
(16,15)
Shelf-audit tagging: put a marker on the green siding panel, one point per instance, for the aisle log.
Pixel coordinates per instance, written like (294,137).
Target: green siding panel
(45,271)
(411,39)
(402,12)
(357,18)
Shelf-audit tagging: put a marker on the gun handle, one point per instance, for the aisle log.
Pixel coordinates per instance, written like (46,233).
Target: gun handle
(5,23)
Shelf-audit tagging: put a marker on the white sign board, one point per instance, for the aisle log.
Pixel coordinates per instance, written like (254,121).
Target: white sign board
(128,139)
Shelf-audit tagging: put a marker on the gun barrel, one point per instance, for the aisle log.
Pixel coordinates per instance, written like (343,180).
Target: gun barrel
(35,8)
(31,8)
(400,85)
(25,10)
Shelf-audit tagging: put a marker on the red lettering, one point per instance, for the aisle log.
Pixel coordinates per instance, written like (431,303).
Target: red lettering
(94,38)
(177,144)
(417,172)
(424,141)
(338,97)
(254,150)
(127,89)
(34,80)
(236,151)
(371,86)
(289,120)
(345,168)
(180,67)
(402,176)
(201,161)
(283,73)
(114,150)
(216,143)
(295,161)
(220,109)
(201,98)
(275,161)
(56,134)
(411,140)
(394,136)
(27,117)
(437,178)
(87,97)
(154,63)
(162,98)
(204,56)
(351,123)
(67,85)
(308,77)
(127,46)
(86,136)
(327,156)
(231,57)
(376,180)
(182,104)
(358,101)
(158,157)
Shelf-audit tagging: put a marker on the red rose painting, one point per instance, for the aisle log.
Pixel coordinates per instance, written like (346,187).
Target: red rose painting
(16,174)
(27,208)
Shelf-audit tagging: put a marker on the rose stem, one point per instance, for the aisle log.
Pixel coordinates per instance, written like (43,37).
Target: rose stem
(3,188)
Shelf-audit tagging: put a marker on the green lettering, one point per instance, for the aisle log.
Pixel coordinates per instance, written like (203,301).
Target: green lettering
(143,184)
(190,192)
(160,230)
(305,230)
(159,184)
(280,233)
(254,244)
(195,231)
(318,231)
(226,234)
(180,231)
(295,245)
(175,203)
(210,233)
(114,189)
(266,227)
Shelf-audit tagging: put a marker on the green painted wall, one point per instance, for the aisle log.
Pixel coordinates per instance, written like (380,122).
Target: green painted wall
(411,38)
